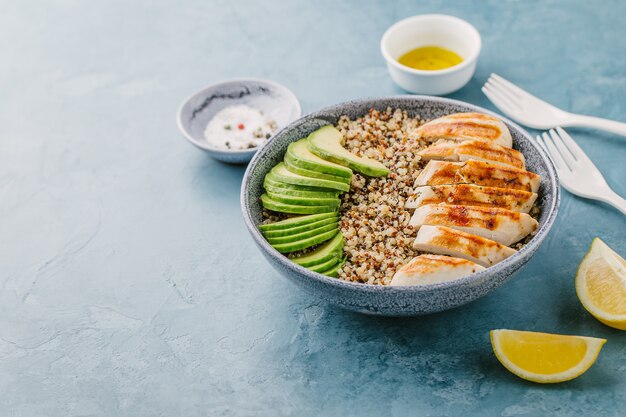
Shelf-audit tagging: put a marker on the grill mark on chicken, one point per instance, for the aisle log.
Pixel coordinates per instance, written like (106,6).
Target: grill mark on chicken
(474,195)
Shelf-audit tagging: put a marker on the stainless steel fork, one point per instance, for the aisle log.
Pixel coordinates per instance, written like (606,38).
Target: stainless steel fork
(577,174)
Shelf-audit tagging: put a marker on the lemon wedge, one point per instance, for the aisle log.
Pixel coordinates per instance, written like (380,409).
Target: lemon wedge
(543,357)
(601,284)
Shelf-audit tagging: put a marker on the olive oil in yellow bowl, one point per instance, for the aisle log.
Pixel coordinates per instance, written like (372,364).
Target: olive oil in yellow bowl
(430,58)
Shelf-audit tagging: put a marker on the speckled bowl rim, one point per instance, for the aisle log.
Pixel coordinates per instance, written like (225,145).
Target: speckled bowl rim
(522,256)
(201,145)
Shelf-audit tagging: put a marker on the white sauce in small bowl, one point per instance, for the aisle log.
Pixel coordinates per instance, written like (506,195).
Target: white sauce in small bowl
(239,127)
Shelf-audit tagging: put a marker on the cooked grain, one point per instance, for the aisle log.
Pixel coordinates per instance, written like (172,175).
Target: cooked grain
(374,221)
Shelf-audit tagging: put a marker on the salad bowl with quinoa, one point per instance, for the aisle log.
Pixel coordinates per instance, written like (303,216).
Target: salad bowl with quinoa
(400,206)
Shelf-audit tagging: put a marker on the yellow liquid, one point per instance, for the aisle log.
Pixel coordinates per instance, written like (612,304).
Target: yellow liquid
(430,58)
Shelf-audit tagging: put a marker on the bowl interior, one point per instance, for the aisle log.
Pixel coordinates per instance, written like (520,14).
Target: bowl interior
(432,30)
(274,100)
(428,108)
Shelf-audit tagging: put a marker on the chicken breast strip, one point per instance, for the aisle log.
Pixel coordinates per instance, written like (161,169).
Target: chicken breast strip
(474,149)
(466,126)
(432,269)
(479,173)
(503,226)
(473,195)
(442,240)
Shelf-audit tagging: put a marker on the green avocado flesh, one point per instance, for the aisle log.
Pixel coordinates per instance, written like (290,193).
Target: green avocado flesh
(326,265)
(271,204)
(305,243)
(298,154)
(313,174)
(334,270)
(326,143)
(299,229)
(305,201)
(330,250)
(281,173)
(298,193)
(303,235)
(296,221)
(271,180)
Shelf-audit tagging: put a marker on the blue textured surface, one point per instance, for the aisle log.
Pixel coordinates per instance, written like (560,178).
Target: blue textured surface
(129,285)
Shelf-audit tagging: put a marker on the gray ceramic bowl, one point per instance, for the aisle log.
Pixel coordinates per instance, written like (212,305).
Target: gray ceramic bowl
(396,301)
(273,99)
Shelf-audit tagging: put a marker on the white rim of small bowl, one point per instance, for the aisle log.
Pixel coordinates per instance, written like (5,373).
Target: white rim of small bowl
(466,62)
(202,145)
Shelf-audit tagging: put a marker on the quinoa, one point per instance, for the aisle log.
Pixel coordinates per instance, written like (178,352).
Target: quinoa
(374,221)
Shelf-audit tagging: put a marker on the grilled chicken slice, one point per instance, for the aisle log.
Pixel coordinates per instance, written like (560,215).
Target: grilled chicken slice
(504,226)
(473,195)
(474,149)
(431,269)
(446,241)
(479,173)
(466,126)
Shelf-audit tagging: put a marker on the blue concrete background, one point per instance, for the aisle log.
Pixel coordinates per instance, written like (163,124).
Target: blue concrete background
(128,283)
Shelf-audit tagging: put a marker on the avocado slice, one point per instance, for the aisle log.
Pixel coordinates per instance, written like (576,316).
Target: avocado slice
(326,264)
(313,174)
(305,243)
(296,221)
(326,141)
(299,229)
(281,173)
(272,180)
(333,271)
(303,235)
(298,154)
(331,250)
(297,191)
(271,204)
(304,201)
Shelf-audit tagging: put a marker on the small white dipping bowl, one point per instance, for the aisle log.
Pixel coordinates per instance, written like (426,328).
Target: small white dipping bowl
(273,99)
(440,30)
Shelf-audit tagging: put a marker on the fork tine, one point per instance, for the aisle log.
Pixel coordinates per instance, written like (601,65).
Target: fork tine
(499,103)
(502,103)
(572,146)
(541,142)
(497,82)
(560,163)
(514,99)
(565,153)
(511,86)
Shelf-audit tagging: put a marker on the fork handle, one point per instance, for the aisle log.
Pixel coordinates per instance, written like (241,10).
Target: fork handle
(612,126)
(615,200)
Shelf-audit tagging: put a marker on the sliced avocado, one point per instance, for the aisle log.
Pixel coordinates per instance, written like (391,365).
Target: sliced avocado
(271,204)
(329,250)
(296,221)
(328,264)
(313,174)
(326,141)
(297,193)
(303,235)
(298,229)
(305,243)
(304,201)
(271,182)
(333,271)
(281,173)
(299,155)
